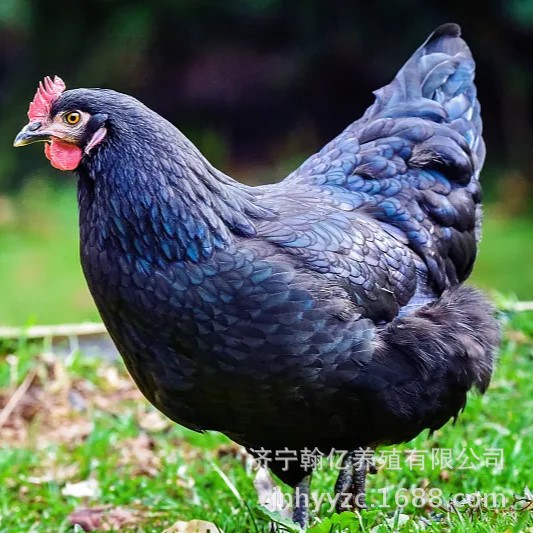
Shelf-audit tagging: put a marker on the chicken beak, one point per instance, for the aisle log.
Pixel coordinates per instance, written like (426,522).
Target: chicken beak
(30,134)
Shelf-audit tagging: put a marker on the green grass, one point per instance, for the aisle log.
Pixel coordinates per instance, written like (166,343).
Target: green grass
(505,255)
(40,276)
(41,279)
(83,419)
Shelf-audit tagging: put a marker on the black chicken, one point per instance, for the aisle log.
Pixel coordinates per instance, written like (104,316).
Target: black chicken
(323,312)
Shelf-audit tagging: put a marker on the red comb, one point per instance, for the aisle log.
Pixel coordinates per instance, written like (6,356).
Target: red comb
(45,96)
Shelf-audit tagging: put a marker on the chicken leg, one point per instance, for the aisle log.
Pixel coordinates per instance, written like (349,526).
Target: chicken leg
(300,507)
(351,481)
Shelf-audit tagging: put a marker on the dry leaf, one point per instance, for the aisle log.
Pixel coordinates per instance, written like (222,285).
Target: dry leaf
(444,475)
(517,336)
(193,526)
(88,519)
(104,518)
(84,489)
(56,473)
(73,433)
(269,495)
(424,483)
(235,451)
(152,421)
(139,453)
(56,407)
(115,380)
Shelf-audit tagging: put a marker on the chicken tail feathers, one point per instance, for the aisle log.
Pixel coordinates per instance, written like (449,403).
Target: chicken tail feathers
(413,161)
(437,82)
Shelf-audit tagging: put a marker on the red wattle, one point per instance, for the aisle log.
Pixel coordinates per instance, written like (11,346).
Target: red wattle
(62,155)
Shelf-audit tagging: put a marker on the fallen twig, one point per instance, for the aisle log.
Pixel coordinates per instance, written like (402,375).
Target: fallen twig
(61,330)
(16,397)
(520,306)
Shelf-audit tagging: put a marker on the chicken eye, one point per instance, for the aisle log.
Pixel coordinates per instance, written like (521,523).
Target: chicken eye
(72,118)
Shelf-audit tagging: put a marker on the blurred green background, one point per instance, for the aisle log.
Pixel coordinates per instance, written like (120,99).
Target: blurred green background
(258,86)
